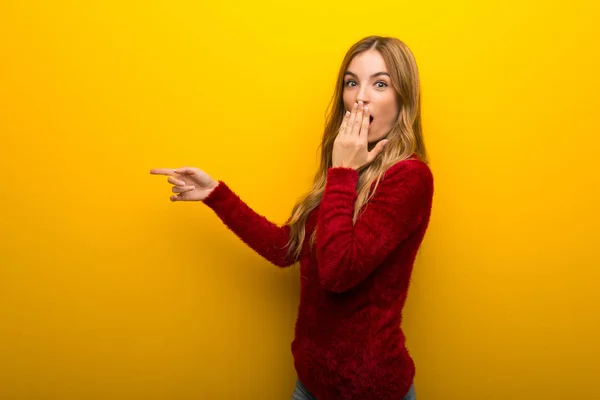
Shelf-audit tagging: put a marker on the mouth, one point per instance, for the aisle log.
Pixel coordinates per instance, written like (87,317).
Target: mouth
(371,120)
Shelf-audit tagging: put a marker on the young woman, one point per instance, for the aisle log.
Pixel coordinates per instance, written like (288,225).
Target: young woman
(355,234)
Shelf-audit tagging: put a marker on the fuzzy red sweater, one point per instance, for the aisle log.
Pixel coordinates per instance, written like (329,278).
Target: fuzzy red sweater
(348,338)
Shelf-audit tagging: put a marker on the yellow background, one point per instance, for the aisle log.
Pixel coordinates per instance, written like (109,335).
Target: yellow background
(110,291)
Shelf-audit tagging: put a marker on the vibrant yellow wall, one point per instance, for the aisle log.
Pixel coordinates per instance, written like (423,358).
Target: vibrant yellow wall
(109,291)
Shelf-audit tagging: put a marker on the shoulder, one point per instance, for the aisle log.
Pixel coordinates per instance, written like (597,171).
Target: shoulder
(411,178)
(412,169)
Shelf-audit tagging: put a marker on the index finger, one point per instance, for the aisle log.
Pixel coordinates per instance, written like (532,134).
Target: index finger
(163,171)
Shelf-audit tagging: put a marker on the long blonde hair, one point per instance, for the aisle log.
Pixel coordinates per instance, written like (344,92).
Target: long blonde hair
(404,140)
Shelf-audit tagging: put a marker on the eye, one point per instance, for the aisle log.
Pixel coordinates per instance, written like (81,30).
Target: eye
(349,83)
(382,84)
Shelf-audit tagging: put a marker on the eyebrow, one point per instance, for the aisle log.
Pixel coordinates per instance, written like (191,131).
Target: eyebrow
(372,76)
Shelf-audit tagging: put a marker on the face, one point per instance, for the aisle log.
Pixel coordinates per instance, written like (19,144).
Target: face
(367,80)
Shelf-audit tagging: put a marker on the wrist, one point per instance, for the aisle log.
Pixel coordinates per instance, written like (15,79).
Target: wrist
(210,190)
(213,186)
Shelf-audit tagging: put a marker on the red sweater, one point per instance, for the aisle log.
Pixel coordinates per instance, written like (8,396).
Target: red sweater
(348,338)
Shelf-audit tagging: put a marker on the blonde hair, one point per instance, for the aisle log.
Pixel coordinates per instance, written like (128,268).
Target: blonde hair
(404,140)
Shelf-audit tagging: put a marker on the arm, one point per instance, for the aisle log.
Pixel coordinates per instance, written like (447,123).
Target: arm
(263,236)
(347,253)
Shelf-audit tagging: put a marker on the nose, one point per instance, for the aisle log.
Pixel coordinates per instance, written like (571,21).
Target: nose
(362,95)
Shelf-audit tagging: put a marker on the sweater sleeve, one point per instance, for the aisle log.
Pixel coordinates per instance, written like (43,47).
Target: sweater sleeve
(348,252)
(263,236)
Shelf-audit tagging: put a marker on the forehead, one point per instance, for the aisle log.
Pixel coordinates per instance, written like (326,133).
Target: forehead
(367,63)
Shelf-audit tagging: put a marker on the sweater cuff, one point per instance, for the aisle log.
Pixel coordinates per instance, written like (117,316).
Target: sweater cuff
(221,199)
(342,176)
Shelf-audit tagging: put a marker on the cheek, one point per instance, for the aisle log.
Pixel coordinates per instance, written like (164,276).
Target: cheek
(391,111)
(390,103)
(347,103)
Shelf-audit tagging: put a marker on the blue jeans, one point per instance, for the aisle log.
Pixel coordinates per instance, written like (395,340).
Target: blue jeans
(302,393)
